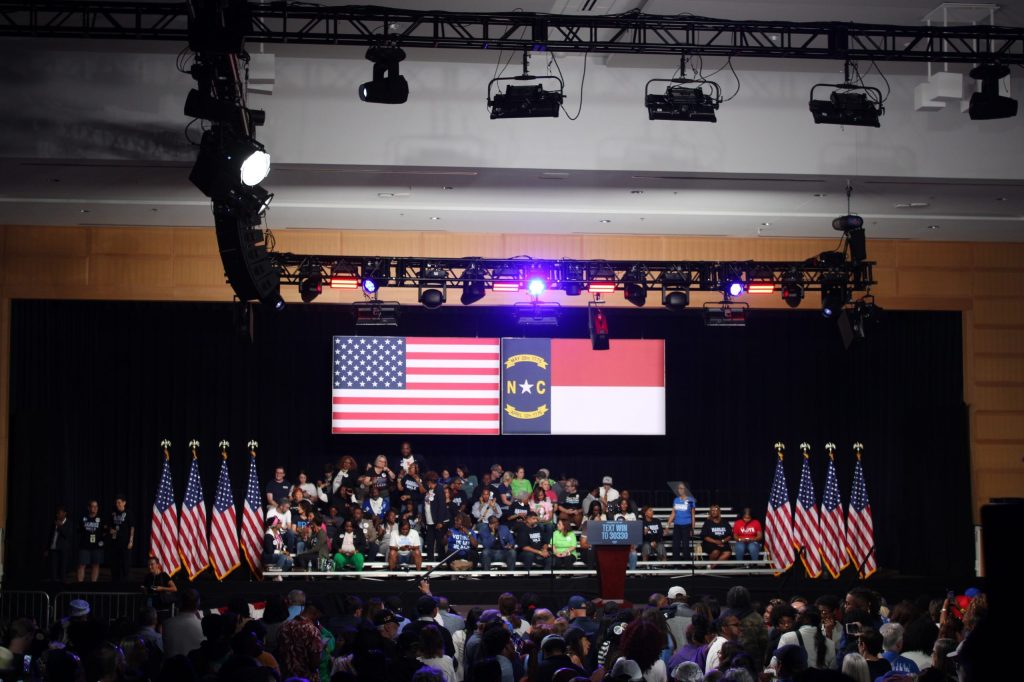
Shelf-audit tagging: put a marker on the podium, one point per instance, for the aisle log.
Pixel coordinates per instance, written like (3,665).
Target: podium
(612,542)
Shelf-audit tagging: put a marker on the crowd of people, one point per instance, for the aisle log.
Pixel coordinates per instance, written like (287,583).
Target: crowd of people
(857,637)
(403,512)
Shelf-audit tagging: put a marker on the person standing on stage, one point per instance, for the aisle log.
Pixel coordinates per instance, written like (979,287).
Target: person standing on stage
(90,542)
(407,457)
(59,546)
(435,516)
(278,490)
(681,522)
(380,475)
(122,538)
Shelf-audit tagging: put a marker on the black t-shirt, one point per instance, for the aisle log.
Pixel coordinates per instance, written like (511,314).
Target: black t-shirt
(90,530)
(518,508)
(718,531)
(457,499)
(281,491)
(121,525)
(530,537)
(411,488)
(572,500)
(878,668)
(161,579)
(652,530)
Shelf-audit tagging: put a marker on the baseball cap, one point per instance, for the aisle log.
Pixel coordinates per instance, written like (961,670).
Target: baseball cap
(425,605)
(607,480)
(383,618)
(79,607)
(577,602)
(627,669)
(972,592)
(552,640)
(490,615)
(676,591)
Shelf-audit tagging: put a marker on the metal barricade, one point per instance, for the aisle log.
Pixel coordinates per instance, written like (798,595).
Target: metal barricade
(26,604)
(104,606)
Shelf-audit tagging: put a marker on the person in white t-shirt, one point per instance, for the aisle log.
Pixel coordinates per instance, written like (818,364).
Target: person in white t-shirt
(404,547)
(727,629)
(607,494)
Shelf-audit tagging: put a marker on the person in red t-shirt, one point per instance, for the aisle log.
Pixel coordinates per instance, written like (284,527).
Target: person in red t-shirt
(747,531)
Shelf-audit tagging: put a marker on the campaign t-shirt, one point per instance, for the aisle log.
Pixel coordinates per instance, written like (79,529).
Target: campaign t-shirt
(458,542)
(279,491)
(121,525)
(457,500)
(683,507)
(411,488)
(530,537)
(518,507)
(405,543)
(745,531)
(652,530)
(572,500)
(717,530)
(89,530)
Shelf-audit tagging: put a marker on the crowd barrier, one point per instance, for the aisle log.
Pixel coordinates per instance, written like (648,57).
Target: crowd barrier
(108,606)
(26,603)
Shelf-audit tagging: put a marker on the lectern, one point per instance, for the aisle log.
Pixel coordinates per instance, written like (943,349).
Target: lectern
(612,542)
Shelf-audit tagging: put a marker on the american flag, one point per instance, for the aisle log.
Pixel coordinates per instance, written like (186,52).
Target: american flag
(195,554)
(807,532)
(860,531)
(224,527)
(394,384)
(779,523)
(163,535)
(252,521)
(833,530)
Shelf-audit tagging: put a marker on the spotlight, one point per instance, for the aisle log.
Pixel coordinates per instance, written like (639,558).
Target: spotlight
(201,105)
(311,282)
(473,288)
(433,285)
(735,289)
(387,86)
(675,294)
(602,280)
(506,279)
(793,288)
(536,286)
(833,298)
(376,273)
(634,285)
(848,105)
(525,101)
(343,276)
(224,160)
(853,227)
(253,201)
(537,314)
(571,279)
(682,103)
(989,104)
(725,314)
(597,323)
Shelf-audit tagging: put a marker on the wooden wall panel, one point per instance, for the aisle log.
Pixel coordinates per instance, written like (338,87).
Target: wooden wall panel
(127,241)
(378,243)
(57,241)
(543,246)
(999,397)
(999,369)
(991,483)
(994,340)
(309,241)
(197,241)
(463,244)
(999,283)
(999,426)
(51,276)
(992,255)
(200,272)
(940,283)
(999,456)
(948,255)
(131,274)
(999,312)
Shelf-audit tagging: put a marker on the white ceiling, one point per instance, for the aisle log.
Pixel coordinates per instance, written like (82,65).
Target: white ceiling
(536,197)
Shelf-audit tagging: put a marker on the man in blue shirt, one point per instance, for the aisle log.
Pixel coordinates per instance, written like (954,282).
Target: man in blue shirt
(681,520)
(892,644)
(497,543)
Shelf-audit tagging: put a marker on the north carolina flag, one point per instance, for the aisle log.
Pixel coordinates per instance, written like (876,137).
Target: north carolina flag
(564,387)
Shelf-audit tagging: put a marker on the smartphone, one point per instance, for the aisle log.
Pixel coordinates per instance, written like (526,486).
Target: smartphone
(853,628)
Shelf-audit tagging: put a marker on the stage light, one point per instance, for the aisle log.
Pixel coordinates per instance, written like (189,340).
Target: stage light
(848,105)
(376,273)
(506,279)
(433,285)
(311,283)
(792,288)
(201,105)
(224,160)
(989,104)
(387,86)
(853,227)
(537,313)
(369,286)
(536,286)
(761,288)
(432,298)
(684,100)
(833,298)
(634,285)
(343,276)
(725,314)
(376,313)
(759,281)
(597,323)
(525,101)
(735,289)
(251,200)
(675,294)
(675,300)
(571,279)
(473,287)
(602,280)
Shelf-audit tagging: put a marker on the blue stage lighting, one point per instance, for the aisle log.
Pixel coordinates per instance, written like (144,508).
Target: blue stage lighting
(536,286)
(369,286)
(736,289)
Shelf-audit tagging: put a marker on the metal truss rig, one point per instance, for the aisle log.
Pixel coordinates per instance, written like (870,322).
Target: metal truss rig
(829,269)
(629,33)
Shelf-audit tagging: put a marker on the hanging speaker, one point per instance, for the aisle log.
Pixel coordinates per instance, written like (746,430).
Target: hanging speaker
(247,264)
(598,324)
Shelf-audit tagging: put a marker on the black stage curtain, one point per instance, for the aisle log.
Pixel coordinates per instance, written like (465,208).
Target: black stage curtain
(95,386)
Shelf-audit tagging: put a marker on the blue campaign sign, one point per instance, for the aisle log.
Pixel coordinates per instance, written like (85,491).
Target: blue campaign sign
(614,532)
(526,386)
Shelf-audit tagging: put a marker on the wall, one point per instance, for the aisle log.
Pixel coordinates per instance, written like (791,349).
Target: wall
(985,281)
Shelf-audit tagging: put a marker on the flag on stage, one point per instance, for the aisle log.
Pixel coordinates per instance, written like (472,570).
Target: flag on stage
(195,554)
(860,530)
(833,530)
(163,535)
(564,386)
(779,521)
(223,526)
(395,384)
(252,519)
(807,531)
